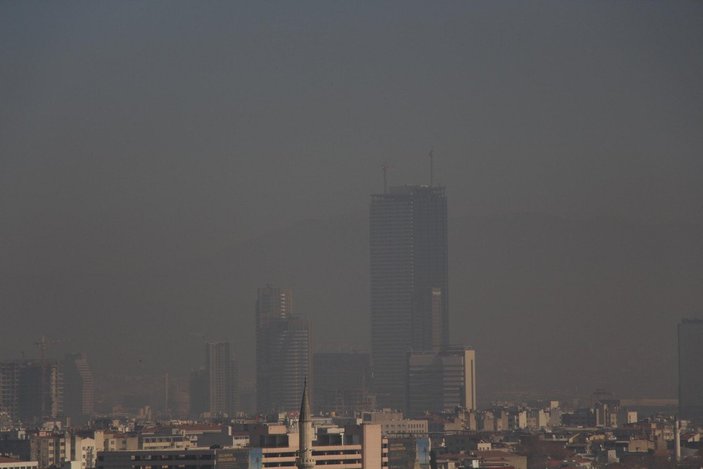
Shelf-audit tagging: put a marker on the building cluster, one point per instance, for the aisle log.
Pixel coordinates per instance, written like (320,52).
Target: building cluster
(31,390)
(408,404)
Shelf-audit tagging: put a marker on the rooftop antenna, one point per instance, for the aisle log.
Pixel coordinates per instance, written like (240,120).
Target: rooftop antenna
(385,168)
(431,167)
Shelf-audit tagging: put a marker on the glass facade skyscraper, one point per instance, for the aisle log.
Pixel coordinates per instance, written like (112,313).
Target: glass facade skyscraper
(409,283)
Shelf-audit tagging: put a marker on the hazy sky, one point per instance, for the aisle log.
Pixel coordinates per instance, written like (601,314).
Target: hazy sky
(143,135)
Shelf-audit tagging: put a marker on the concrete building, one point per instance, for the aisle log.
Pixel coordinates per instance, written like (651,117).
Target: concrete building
(50,450)
(355,446)
(690,338)
(409,283)
(441,381)
(283,351)
(79,389)
(394,424)
(342,382)
(83,451)
(194,458)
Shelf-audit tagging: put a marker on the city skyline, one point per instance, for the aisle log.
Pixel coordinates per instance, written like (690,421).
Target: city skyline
(157,166)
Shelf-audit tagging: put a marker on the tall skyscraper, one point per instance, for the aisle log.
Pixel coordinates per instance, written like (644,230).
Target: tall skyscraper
(691,370)
(283,351)
(409,283)
(441,381)
(218,364)
(79,389)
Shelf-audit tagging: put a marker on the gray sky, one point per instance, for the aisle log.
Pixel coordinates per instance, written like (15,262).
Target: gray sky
(138,138)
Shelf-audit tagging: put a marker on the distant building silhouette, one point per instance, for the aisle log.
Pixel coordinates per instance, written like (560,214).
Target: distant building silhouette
(409,283)
(220,378)
(441,381)
(342,382)
(199,396)
(283,351)
(690,335)
(9,388)
(79,388)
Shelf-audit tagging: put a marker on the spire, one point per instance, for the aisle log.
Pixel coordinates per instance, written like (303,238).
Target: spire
(305,404)
(305,433)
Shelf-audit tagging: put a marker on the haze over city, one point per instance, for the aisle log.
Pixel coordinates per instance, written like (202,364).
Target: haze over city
(160,161)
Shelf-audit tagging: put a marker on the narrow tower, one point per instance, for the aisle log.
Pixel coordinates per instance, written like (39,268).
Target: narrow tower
(305,459)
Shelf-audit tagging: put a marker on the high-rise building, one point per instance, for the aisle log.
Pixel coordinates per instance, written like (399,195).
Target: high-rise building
(40,390)
(220,379)
(9,388)
(79,389)
(690,333)
(342,382)
(283,351)
(441,381)
(409,283)
(31,390)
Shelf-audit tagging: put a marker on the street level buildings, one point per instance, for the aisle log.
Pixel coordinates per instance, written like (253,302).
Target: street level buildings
(409,283)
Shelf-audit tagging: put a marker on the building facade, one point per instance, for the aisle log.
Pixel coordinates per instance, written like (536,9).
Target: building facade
(409,283)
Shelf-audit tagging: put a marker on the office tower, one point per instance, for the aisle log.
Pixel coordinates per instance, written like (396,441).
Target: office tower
(342,382)
(218,364)
(283,357)
(409,283)
(79,389)
(40,390)
(691,370)
(441,381)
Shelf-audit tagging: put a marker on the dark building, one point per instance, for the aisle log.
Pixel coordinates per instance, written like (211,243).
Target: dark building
(342,382)
(40,390)
(9,388)
(441,381)
(690,333)
(79,388)
(283,351)
(199,398)
(31,390)
(409,283)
